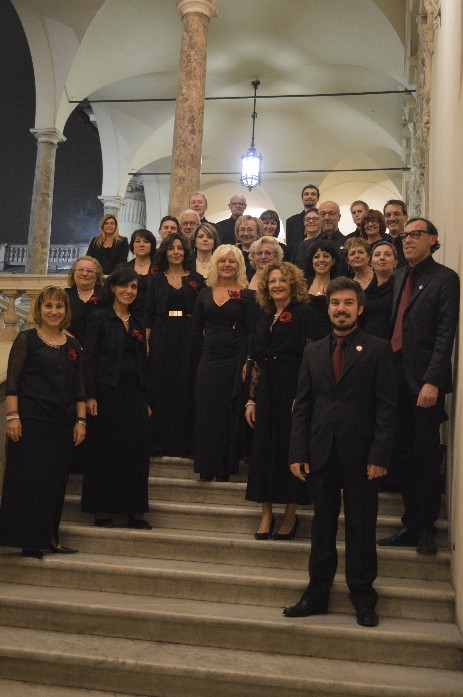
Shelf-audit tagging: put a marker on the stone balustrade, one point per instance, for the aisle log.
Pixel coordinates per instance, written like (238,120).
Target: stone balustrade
(59,255)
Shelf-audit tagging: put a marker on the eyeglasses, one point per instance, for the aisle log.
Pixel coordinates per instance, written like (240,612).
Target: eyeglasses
(330,214)
(79,271)
(368,221)
(414,234)
(311,220)
(264,254)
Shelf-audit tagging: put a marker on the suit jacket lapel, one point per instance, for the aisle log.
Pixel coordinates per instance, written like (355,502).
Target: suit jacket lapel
(352,353)
(326,367)
(423,281)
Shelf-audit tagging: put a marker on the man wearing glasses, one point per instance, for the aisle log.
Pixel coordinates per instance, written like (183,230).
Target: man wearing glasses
(226,228)
(312,231)
(425,311)
(295,223)
(330,215)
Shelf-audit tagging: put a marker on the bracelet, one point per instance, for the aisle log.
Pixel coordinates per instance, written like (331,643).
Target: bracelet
(81,421)
(12,416)
(250,404)
(10,413)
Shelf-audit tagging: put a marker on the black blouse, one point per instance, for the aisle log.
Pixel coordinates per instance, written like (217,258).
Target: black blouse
(109,257)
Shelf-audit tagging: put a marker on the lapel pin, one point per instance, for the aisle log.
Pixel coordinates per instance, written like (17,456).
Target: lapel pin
(420,287)
(359,348)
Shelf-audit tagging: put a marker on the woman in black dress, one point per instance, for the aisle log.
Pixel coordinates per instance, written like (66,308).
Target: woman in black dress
(172,293)
(376,316)
(222,321)
(85,278)
(203,242)
(280,339)
(109,248)
(143,246)
(117,454)
(45,403)
(322,262)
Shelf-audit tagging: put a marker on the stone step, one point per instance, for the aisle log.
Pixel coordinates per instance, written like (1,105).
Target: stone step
(235,585)
(226,626)
(18,688)
(239,549)
(175,489)
(161,669)
(238,519)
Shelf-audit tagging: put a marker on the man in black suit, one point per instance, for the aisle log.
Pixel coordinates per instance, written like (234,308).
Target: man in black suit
(295,224)
(226,228)
(425,312)
(341,438)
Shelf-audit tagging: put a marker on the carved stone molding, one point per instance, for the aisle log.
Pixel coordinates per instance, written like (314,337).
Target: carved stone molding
(428,21)
(204,7)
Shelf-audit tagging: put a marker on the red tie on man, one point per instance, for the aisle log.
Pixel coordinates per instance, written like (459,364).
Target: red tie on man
(396,341)
(337,358)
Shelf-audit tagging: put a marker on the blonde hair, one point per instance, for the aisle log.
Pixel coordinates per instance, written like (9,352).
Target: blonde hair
(53,293)
(98,270)
(296,279)
(353,242)
(220,253)
(266,239)
(99,240)
(257,221)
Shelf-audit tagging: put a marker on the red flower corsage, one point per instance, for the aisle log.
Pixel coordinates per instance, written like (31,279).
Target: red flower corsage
(194,285)
(286,317)
(235,294)
(72,354)
(93,300)
(137,335)
(154,271)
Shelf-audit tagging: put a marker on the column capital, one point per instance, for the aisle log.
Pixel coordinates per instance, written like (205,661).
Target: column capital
(203,7)
(112,204)
(48,135)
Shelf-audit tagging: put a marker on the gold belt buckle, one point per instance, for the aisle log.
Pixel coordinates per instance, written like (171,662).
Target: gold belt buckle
(175,313)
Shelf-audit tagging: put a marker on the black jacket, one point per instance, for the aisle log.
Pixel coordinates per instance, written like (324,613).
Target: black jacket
(117,255)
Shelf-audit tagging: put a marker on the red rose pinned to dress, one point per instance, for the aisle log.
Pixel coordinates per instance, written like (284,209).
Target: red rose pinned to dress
(72,354)
(194,285)
(235,294)
(154,271)
(94,300)
(137,335)
(286,317)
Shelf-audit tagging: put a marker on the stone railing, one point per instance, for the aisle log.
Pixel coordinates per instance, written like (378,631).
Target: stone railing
(59,255)
(18,292)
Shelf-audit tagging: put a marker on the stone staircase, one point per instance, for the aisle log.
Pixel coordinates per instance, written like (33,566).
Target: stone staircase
(193,608)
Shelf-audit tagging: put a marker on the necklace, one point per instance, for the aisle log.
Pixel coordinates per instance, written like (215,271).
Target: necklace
(85,297)
(175,275)
(364,282)
(52,344)
(120,317)
(142,266)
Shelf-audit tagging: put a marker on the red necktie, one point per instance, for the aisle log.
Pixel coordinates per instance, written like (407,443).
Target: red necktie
(396,341)
(337,358)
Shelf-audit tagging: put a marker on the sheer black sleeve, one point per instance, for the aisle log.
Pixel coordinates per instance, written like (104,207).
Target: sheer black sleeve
(16,362)
(79,383)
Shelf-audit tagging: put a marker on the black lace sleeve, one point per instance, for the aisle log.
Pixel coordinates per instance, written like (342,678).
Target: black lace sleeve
(254,382)
(16,362)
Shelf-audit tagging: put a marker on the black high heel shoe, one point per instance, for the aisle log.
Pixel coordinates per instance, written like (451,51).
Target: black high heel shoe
(63,550)
(287,535)
(104,523)
(138,523)
(265,535)
(34,553)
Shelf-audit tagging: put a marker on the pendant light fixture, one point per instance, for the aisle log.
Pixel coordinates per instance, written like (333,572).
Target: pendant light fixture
(251,162)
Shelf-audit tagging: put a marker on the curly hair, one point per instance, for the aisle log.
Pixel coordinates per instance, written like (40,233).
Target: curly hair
(356,242)
(160,259)
(98,270)
(297,282)
(220,253)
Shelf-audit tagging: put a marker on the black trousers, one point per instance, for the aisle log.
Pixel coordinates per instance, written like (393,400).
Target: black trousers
(360,509)
(418,454)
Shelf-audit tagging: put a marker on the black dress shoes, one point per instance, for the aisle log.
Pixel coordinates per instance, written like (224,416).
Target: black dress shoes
(305,608)
(426,544)
(104,523)
(367,617)
(34,553)
(404,537)
(139,523)
(63,550)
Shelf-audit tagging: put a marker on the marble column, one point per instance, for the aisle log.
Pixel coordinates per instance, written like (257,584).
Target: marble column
(112,205)
(189,110)
(38,241)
